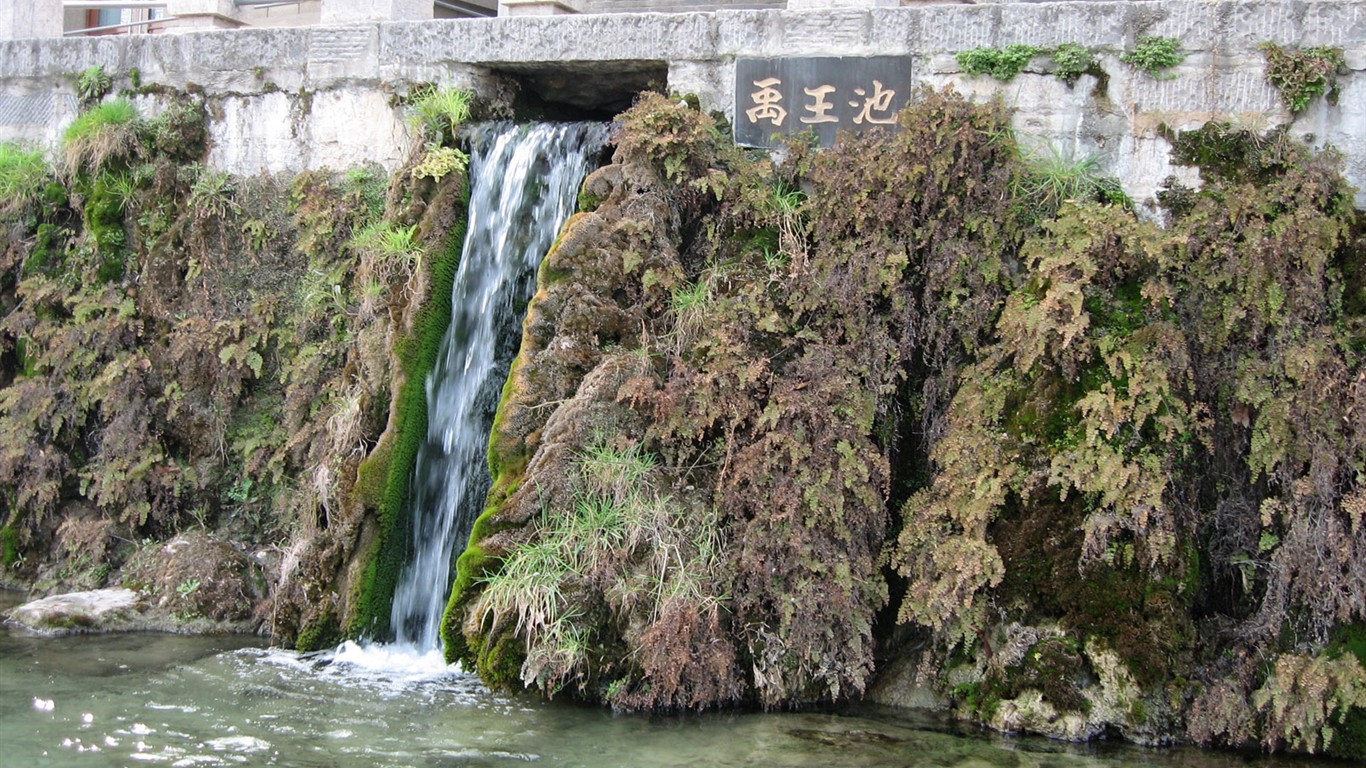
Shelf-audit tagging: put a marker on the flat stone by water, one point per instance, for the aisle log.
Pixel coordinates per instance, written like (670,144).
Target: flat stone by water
(98,610)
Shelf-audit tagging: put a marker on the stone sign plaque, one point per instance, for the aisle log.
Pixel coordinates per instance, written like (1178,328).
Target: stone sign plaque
(784,97)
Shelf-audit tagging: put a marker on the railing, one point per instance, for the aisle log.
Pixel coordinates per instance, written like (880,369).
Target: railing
(153,18)
(148,9)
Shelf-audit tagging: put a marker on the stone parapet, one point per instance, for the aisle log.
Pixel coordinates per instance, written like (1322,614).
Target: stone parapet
(310,76)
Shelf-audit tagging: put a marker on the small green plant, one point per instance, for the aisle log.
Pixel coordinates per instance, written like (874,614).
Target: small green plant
(1154,55)
(211,193)
(1071,61)
(1001,63)
(201,517)
(241,492)
(437,112)
(368,182)
(92,84)
(258,234)
(102,135)
(1300,75)
(122,187)
(22,174)
(440,162)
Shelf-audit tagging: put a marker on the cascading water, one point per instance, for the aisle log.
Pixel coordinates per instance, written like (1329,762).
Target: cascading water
(524,184)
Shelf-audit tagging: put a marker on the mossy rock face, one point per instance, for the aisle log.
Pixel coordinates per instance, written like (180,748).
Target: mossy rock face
(396,454)
(320,632)
(586,298)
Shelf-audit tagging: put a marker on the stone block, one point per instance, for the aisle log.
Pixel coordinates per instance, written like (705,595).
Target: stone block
(30,19)
(954,28)
(1096,25)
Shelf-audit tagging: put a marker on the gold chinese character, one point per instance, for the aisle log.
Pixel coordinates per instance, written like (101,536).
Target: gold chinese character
(880,101)
(819,107)
(766,102)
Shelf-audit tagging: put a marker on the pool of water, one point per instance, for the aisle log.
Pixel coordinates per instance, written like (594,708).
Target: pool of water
(121,700)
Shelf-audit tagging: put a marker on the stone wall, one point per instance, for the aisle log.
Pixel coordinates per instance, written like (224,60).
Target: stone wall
(285,99)
(673,6)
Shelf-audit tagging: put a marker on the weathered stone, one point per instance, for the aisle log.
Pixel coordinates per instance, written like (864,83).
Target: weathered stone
(100,610)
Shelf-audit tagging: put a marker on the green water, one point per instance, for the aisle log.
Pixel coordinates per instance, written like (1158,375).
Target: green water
(124,700)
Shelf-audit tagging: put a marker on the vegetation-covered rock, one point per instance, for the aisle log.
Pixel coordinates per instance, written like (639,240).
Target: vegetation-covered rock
(188,351)
(914,404)
(1080,454)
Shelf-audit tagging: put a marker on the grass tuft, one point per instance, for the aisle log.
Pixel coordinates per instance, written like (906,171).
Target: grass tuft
(104,135)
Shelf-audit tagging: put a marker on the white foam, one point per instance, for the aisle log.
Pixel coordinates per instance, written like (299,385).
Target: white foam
(397,663)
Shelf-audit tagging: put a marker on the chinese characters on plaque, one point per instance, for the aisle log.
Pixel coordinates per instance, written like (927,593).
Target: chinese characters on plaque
(820,95)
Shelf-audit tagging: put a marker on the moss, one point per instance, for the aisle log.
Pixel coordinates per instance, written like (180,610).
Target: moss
(588,202)
(1053,667)
(9,546)
(49,247)
(507,463)
(1143,619)
(1350,741)
(417,355)
(320,632)
(500,665)
(103,218)
(373,474)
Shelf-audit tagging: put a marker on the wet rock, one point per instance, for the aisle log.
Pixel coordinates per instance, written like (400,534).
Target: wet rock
(906,683)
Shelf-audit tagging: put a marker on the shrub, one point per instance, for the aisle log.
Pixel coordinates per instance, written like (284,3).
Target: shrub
(1155,54)
(1300,75)
(1001,63)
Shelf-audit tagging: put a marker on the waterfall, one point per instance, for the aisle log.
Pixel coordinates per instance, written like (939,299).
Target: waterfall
(524,183)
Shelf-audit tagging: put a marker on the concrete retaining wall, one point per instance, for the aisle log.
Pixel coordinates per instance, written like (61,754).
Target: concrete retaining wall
(287,99)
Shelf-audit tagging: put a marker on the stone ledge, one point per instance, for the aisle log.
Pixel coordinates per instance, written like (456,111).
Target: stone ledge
(534,8)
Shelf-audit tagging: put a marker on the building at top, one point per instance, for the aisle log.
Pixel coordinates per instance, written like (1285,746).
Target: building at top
(21,19)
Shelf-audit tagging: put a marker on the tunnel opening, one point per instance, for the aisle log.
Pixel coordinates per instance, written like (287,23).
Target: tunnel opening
(583,90)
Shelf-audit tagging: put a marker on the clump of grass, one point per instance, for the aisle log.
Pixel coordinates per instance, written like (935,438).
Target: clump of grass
(1001,63)
(1155,54)
(1052,178)
(618,544)
(438,111)
(22,174)
(389,251)
(1300,75)
(690,304)
(105,134)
